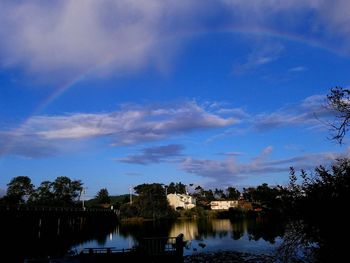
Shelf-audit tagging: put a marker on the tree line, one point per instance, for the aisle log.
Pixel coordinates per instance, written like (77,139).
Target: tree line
(63,191)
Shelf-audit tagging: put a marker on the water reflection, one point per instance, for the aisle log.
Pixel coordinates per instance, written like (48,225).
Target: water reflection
(256,236)
(36,236)
(51,236)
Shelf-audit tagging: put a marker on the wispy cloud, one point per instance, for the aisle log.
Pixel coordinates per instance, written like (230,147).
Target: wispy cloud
(298,69)
(76,35)
(230,170)
(133,174)
(261,55)
(130,125)
(232,153)
(154,154)
(329,19)
(312,112)
(309,112)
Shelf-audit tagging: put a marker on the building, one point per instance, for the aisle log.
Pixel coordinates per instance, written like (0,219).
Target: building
(223,205)
(181,201)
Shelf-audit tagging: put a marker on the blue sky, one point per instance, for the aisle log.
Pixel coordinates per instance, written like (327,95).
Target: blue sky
(214,93)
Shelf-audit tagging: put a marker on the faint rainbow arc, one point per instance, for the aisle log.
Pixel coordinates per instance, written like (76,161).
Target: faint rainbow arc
(254,31)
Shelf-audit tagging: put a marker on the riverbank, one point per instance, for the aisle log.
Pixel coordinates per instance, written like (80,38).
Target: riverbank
(229,257)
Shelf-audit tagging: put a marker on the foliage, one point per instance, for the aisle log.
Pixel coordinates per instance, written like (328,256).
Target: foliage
(219,194)
(103,196)
(232,193)
(317,204)
(151,201)
(178,188)
(43,195)
(116,201)
(66,191)
(196,212)
(339,101)
(62,192)
(18,188)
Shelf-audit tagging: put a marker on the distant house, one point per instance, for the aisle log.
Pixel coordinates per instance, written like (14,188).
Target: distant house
(181,201)
(223,205)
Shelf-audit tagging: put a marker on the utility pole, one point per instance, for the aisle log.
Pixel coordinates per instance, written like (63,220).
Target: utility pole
(83,195)
(130,189)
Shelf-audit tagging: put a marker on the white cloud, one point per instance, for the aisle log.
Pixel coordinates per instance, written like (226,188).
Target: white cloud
(312,111)
(230,170)
(263,53)
(75,36)
(130,125)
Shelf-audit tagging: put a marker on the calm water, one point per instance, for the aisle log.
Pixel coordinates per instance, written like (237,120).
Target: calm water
(255,236)
(51,236)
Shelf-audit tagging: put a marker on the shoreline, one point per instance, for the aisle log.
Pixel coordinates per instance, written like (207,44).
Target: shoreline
(228,257)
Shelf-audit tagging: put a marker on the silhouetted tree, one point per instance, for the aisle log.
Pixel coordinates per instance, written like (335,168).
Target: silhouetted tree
(317,208)
(103,196)
(43,195)
(232,193)
(178,188)
(208,195)
(219,194)
(249,194)
(339,101)
(66,192)
(18,188)
(151,201)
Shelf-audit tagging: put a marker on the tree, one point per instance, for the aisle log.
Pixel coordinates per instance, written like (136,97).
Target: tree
(43,195)
(219,194)
(249,194)
(339,101)
(103,196)
(151,201)
(178,188)
(66,192)
(208,195)
(233,193)
(317,207)
(18,188)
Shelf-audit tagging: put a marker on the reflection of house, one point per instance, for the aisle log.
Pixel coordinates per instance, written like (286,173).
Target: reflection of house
(181,201)
(188,228)
(223,205)
(221,225)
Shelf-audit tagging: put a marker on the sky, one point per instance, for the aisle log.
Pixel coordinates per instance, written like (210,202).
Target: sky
(212,93)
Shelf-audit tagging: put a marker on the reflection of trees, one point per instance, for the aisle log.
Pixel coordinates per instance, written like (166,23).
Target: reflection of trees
(26,236)
(141,230)
(266,229)
(238,229)
(205,229)
(221,227)
(296,244)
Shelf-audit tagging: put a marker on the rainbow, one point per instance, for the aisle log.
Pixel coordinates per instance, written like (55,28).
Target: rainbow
(240,30)
(254,31)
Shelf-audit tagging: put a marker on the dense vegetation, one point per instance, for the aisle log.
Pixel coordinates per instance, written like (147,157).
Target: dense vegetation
(61,192)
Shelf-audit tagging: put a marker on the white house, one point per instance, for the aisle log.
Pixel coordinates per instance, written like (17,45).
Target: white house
(181,201)
(223,205)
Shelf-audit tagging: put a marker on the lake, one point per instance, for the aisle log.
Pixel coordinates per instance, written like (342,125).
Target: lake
(253,236)
(50,236)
